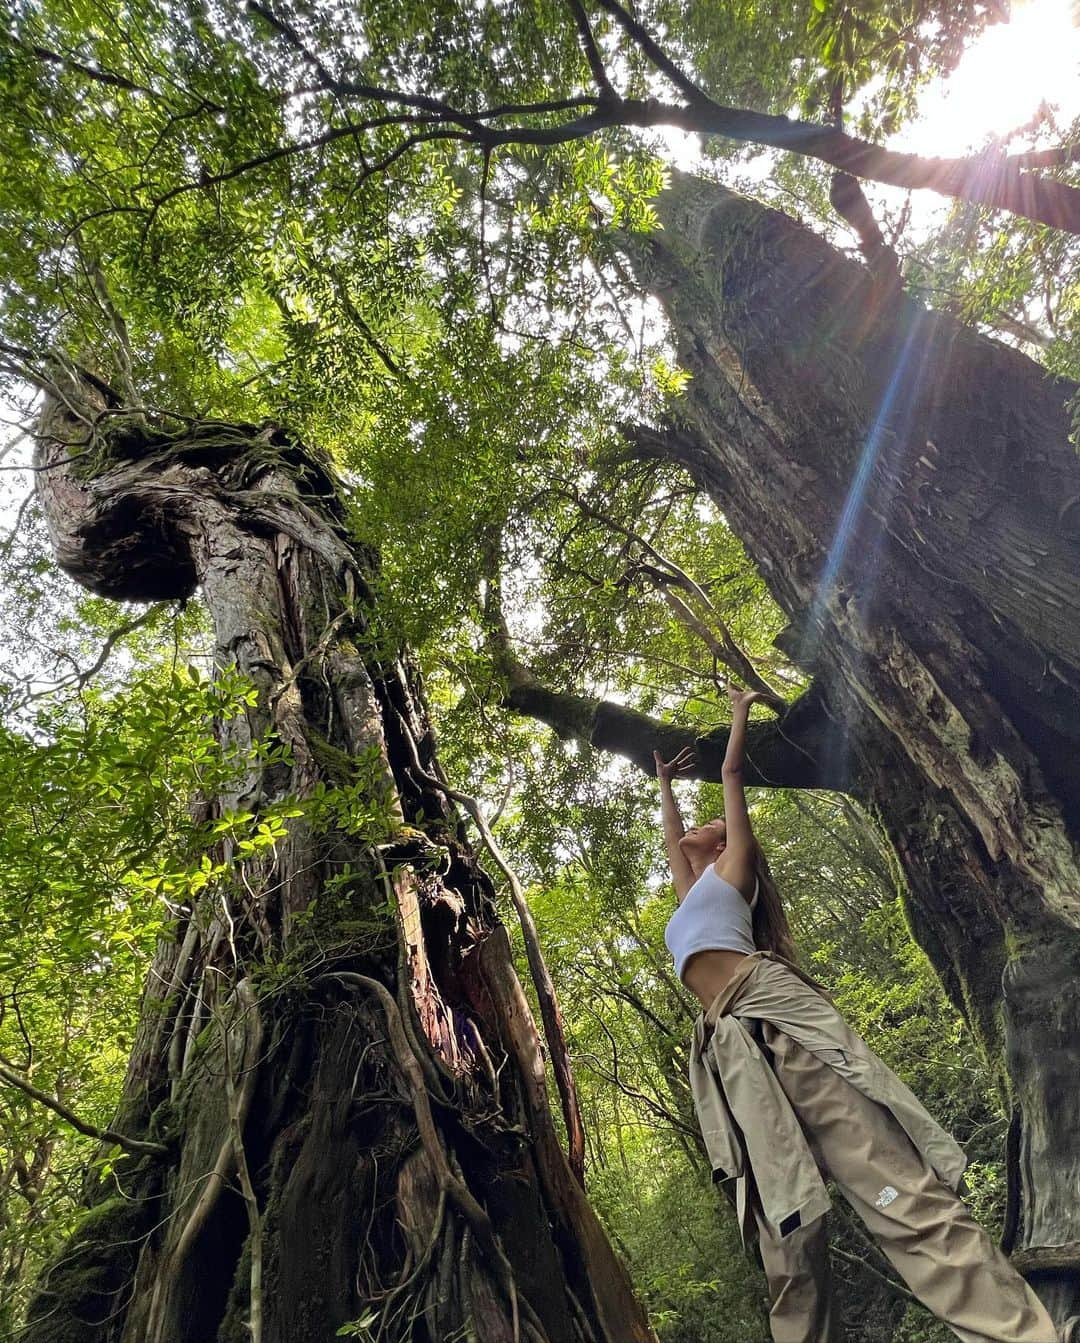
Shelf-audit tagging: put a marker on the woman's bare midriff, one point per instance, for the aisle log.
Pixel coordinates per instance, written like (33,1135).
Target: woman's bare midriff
(706,973)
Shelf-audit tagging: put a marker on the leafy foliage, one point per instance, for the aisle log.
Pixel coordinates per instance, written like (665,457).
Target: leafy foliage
(95,811)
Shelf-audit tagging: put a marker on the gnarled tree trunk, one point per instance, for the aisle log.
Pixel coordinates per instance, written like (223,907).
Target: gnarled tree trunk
(910,496)
(334,1045)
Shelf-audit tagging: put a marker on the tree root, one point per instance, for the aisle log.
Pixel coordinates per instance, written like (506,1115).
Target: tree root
(215,1179)
(237,1114)
(449,1182)
(434,1070)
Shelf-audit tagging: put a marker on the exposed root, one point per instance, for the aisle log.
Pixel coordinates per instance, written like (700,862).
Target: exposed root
(252,1043)
(449,1182)
(434,1070)
(215,1180)
(459,1194)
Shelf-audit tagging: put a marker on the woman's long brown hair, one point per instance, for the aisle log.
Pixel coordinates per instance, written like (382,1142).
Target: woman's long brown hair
(772,932)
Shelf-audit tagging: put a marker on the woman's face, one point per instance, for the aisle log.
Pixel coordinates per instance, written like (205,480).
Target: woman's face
(705,843)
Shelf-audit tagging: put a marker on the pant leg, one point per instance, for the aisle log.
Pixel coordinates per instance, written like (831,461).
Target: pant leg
(924,1228)
(797,1270)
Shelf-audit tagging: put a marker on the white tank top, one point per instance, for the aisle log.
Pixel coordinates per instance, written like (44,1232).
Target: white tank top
(713,916)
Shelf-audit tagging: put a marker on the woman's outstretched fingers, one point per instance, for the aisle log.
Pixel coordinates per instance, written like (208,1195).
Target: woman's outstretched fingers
(682,763)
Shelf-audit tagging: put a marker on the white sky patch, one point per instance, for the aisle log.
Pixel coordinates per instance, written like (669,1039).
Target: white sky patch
(1001,80)
(997,87)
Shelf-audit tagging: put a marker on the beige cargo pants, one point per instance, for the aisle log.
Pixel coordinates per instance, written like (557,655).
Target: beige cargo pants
(927,1232)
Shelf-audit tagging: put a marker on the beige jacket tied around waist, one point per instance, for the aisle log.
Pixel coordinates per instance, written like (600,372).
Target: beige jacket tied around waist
(751,1132)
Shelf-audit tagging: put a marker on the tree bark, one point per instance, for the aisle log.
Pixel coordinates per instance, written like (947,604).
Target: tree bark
(908,491)
(334,1045)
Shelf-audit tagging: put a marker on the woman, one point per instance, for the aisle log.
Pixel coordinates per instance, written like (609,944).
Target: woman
(788,1095)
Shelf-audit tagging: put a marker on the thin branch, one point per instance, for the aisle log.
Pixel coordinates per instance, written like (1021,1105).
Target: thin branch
(722,645)
(639,34)
(485,257)
(436,107)
(898,1288)
(17,526)
(82,678)
(289,33)
(615,1078)
(403,148)
(90,71)
(1023,331)
(249,165)
(592,53)
(99,288)
(538,109)
(132,1145)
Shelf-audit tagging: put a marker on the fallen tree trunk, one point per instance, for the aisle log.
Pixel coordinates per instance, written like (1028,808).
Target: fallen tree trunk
(334,1047)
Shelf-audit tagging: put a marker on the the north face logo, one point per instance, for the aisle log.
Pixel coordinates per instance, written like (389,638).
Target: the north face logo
(886,1196)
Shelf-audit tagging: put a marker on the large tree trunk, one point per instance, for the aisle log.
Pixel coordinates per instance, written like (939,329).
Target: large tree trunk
(909,493)
(334,1044)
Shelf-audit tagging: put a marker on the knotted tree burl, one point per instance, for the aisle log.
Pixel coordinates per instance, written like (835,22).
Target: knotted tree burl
(334,1051)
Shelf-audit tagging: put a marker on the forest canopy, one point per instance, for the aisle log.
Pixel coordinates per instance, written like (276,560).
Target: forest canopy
(542,439)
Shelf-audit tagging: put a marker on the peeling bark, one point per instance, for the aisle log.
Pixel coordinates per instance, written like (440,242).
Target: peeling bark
(908,491)
(353,1104)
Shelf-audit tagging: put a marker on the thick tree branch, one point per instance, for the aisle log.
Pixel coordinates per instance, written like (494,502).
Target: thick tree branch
(992,179)
(1059,157)
(1046,1258)
(850,203)
(995,181)
(787,753)
(798,750)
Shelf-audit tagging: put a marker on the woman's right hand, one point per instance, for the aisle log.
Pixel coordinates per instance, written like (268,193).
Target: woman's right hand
(683,763)
(742,699)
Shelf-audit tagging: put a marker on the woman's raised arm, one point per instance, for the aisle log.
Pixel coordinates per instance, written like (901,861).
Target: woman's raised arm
(681,872)
(738,862)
